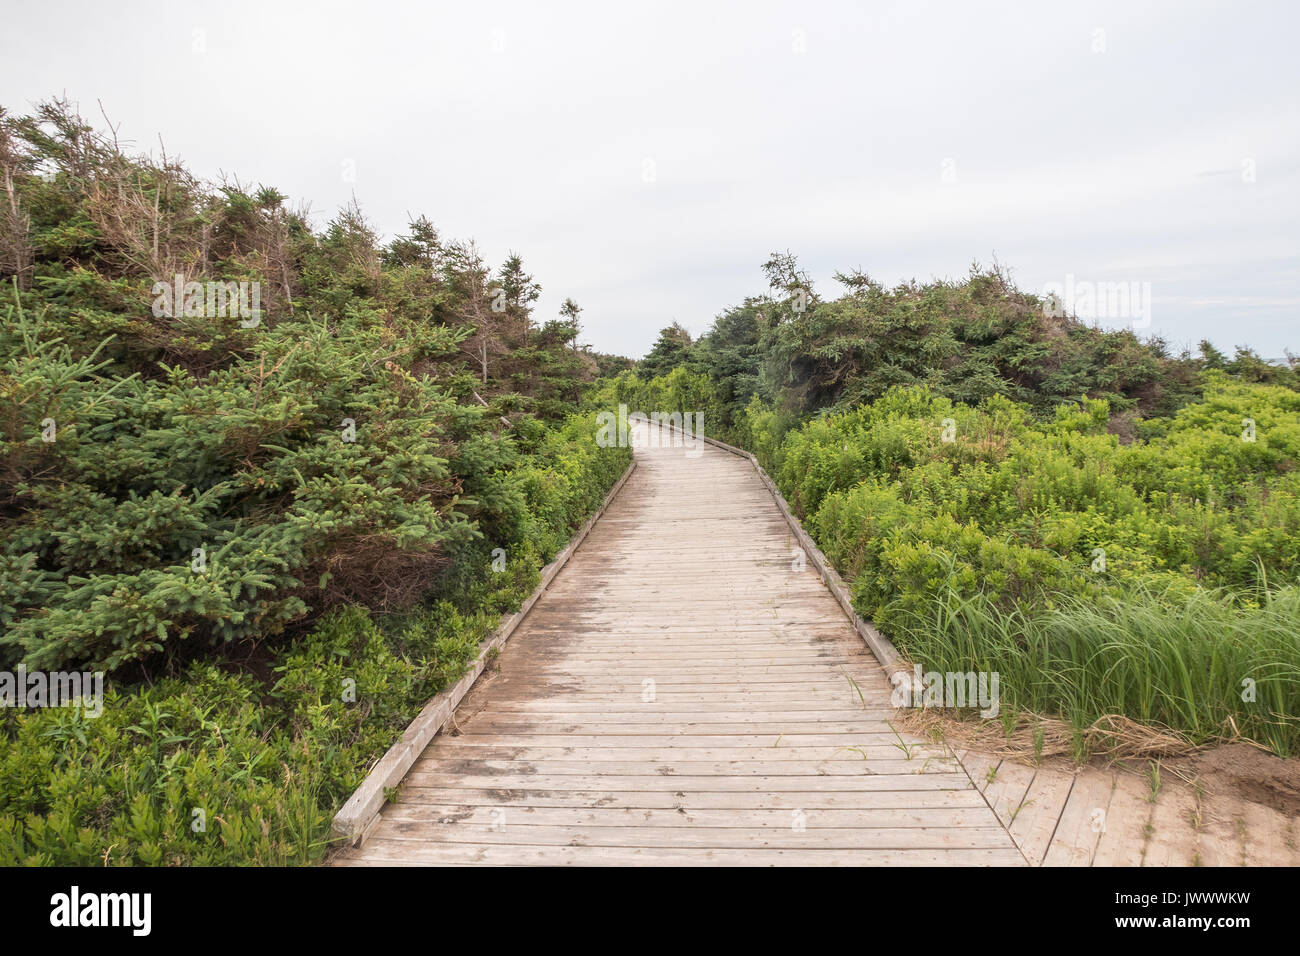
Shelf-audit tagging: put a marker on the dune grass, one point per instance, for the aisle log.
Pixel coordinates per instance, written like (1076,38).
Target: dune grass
(1197,664)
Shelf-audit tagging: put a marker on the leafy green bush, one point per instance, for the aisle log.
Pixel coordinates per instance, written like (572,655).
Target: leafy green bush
(269,762)
(1039,545)
(280,472)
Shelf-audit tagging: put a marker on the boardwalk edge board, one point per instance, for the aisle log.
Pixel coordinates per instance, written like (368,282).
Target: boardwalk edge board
(358,816)
(890,659)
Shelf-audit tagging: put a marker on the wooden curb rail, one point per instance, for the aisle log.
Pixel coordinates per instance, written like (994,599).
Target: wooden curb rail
(360,813)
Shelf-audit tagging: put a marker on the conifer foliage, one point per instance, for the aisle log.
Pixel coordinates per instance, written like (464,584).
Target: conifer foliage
(280,482)
(181,461)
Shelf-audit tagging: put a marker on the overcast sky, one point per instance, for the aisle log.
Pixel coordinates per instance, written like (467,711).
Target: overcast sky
(645,158)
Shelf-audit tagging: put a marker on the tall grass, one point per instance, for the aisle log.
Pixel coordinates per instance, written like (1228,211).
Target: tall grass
(1195,664)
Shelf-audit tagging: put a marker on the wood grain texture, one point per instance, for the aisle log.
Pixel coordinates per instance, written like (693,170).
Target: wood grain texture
(686,692)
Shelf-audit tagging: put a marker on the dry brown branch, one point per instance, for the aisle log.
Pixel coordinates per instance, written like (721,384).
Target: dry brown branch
(15,223)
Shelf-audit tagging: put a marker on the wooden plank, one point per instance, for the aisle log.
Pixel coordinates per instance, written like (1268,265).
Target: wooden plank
(685,706)
(684,767)
(788,733)
(1123,839)
(599,715)
(1268,837)
(1078,832)
(381,852)
(739,672)
(1007,789)
(1172,833)
(1036,818)
(731,800)
(812,657)
(506,830)
(684,783)
(979,766)
(828,676)
(1220,839)
(790,749)
(655,741)
(870,818)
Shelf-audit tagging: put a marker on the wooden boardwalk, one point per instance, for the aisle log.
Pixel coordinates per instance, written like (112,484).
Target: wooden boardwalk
(686,692)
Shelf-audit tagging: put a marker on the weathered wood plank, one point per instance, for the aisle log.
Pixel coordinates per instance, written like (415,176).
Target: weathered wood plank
(1078,832)
(685,767)
(506,830)
(1123,838)
(1171,840)
(872,818)
(405,853)
(1038,814)
(729,800)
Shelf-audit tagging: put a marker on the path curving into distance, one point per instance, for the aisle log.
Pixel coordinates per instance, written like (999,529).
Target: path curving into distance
(685,692)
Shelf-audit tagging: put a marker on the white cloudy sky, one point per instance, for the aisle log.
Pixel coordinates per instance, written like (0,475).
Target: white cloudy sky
(822,128)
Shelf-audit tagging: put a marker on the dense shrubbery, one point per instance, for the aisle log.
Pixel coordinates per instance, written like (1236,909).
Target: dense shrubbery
(268,762)
(1111,569)
(1196,503)
(967,340)
(233,514)
(220,504)
(1100,561)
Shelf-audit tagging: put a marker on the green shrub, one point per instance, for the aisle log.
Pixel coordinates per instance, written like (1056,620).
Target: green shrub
(269,762)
